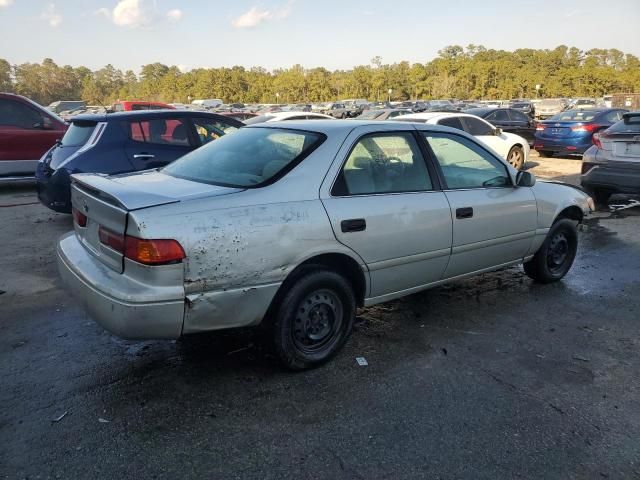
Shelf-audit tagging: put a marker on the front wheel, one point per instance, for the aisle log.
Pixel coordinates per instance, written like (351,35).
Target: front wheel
(516,157)
(314,319)
(555,257)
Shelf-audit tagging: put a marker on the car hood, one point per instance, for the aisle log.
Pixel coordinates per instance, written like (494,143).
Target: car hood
(148,188)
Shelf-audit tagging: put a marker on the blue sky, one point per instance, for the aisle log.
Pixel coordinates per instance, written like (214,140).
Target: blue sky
(280,33)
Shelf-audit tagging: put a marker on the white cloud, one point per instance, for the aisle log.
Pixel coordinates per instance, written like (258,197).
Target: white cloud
(255,16)
(5,3)
(174,15)
(50,15)
(138,13)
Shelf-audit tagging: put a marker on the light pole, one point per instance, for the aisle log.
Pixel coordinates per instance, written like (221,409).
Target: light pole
(277,97)
(538,86)
(390,91)
(188,98)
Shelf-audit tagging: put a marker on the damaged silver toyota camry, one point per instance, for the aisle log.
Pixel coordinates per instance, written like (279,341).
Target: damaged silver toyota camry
(296,224)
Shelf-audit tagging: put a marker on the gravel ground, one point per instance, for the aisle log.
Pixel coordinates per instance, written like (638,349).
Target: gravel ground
(491,377)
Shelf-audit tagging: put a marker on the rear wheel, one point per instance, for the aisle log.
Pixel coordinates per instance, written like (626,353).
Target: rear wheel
(516,157)
(555,257)
(314,319)
(545,153)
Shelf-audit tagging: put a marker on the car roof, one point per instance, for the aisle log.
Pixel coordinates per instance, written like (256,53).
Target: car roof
(433,115)
(141,114)
(336,127)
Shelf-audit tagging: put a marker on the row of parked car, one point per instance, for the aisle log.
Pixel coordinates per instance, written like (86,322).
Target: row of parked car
(161,135)
(190,221)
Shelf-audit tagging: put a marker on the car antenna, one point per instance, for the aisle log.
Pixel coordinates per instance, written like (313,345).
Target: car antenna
(106,110)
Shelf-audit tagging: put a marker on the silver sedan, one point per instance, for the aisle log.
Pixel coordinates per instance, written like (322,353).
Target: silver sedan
(297,224)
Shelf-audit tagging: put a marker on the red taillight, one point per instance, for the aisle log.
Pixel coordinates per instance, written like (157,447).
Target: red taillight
(540,127)
(596,140)
(585,128)
(79,217)
(111,239)
(147,252)
(586,166)
(153,252)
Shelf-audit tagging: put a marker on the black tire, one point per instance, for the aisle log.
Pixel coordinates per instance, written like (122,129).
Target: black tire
(545,153)
(516,157)
(556,254)
(601,198)
(314,319)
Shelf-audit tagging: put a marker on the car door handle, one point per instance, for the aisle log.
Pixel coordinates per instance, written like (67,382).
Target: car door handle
(144,156)
(466,212)
(353,225)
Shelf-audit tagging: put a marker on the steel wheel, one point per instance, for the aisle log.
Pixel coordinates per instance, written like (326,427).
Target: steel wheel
(557,252)
(318,319)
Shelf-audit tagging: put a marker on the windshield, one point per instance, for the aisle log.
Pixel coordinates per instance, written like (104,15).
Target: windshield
(574,116)
(250,157)
(78,134)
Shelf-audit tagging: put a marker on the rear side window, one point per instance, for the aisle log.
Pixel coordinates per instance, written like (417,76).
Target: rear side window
(453,122)
(78,134)
(160,131)
(17,114)
(383,163)
(209,130)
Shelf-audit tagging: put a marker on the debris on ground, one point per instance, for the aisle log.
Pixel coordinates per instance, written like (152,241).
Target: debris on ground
(623,206)
(362,361)
(103,420)
(57,419)
(581,358)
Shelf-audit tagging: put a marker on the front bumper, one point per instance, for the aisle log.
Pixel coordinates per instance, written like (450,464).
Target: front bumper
(110,298)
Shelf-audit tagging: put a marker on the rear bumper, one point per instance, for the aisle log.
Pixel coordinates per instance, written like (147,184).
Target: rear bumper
(567,147)
(107,298)
(614,179)
(54,190)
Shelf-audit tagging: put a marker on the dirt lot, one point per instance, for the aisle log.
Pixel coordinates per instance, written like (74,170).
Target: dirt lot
(494,377)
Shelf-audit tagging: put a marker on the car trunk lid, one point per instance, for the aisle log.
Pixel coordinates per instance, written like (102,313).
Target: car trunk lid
(104,202)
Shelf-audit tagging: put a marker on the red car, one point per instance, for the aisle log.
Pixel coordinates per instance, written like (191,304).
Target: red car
(27,132)
(131,105)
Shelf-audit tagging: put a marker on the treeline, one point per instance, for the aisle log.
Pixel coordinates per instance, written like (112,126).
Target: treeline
(473,72)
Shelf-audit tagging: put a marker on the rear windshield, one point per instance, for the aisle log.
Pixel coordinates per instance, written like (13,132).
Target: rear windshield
(78,134)
(251,157)
(574,116)
(520,105)
(631,124)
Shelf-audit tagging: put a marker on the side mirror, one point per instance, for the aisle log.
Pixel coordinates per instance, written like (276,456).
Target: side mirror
(525,179)
(497,132)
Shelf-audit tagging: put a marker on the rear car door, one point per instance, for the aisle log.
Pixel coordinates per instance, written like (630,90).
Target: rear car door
(485,132)
(522,125)
(385,204)
(154,142)
(494,222)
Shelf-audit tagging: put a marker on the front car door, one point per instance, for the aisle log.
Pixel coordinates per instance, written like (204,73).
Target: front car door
(522,125)
(155,142)
(385,204)
(494,222)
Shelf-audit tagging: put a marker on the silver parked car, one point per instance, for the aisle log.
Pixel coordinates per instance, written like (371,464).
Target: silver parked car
(298,224)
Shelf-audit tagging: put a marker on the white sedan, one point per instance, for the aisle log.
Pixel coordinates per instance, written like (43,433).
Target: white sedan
(282,116)
(513,148)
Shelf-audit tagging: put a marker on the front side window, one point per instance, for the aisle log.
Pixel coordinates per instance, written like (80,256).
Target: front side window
(17,114)
(209,130)
(498,116)
(465,164)
(383,163)
(477,127)
(453,122)
(251,157)
(160,131)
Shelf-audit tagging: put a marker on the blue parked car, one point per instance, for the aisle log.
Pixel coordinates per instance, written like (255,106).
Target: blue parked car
(123,142)
(570,132)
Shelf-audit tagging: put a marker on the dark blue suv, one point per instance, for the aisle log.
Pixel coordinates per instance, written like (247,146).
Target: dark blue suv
(123,142)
